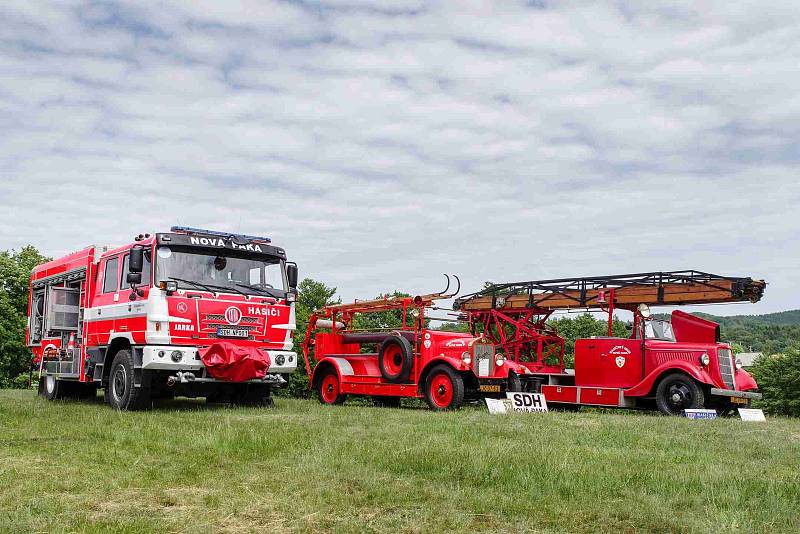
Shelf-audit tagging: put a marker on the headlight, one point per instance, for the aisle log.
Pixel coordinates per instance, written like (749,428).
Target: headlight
(499,361)
(280,359)
(176,356)
(705,360)
(739,365)
(465,357)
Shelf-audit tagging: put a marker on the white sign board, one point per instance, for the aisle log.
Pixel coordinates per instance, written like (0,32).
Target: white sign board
(498,406)
(527,402)
(694,413)
(750,414)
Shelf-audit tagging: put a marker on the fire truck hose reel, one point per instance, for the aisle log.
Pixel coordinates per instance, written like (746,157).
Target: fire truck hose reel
(395,358)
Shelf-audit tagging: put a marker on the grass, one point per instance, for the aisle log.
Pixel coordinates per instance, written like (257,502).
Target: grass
(79,466)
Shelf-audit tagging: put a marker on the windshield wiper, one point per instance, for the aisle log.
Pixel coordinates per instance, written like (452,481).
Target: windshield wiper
(209,287)
(262,289)
(196,284)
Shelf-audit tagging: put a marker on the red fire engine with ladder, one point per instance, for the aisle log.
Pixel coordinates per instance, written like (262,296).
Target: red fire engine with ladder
(188,312)
(670,365)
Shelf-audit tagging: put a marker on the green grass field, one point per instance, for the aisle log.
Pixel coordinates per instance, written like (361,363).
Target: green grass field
(186,467)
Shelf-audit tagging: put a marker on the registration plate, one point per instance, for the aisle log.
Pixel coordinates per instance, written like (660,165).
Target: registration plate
(739,400)
(233,332)
(489,388)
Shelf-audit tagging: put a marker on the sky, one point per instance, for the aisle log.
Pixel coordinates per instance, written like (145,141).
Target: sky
(385,143)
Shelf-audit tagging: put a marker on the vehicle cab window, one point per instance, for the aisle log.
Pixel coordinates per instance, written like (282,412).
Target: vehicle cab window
(145,270)
(110,280)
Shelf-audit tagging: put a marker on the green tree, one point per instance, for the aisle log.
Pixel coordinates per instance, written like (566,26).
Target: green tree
(312,296)
(15,272)
(584,326)
(778,380)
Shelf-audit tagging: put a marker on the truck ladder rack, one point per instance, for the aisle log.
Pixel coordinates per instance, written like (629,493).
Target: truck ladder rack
(629,290)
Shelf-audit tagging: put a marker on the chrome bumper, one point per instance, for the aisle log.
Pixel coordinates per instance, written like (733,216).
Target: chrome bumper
(734,393)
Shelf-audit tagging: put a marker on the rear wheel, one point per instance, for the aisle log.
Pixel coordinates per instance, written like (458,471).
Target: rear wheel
(121,392)
(50,387)
(329,389)
(444,389)
(678,392)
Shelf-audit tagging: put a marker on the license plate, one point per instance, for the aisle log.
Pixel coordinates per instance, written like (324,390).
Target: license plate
(739,400)
(489,388)
(233,332)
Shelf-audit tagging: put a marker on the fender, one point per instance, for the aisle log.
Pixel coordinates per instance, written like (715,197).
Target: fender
(745,381)
(455,363)
(508,365)
(341,365)
(646,386)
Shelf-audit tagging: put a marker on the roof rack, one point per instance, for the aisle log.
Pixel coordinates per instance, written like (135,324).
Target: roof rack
(190,230)
(629,290)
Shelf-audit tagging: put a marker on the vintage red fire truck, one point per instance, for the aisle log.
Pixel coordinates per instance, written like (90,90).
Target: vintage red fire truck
(189,312)
(671,365)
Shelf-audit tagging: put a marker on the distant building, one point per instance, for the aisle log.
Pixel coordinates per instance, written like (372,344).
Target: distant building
(747,358)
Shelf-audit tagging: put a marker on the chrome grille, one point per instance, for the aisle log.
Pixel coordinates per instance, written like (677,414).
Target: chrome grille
(215,317)
(725,361)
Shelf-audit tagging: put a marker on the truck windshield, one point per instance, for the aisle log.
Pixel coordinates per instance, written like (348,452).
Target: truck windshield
(221,272)
(657,329)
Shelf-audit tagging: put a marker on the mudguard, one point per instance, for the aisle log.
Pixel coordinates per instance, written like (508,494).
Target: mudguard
(745,381)
(646,386)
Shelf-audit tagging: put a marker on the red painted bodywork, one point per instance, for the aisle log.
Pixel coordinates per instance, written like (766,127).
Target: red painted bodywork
(185,318)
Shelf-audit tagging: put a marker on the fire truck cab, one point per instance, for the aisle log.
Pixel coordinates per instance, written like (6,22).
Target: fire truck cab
(189,312)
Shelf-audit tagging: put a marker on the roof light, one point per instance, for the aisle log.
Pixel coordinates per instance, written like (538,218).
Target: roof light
(190,230)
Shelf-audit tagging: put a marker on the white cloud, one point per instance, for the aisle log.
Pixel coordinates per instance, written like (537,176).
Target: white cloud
(385,143)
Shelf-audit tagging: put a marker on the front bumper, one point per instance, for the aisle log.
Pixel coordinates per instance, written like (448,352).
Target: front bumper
(160,357)
(734,393)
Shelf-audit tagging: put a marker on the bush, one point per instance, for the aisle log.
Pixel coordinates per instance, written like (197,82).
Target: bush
(779,380)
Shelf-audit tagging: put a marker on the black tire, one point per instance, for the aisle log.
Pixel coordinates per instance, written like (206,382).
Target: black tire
(386,402)
(677,392)
(51,388)
(121,393)
(395,358)
(329,388)
(438,394)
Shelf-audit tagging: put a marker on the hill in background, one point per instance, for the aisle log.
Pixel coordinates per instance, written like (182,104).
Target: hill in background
(768,333)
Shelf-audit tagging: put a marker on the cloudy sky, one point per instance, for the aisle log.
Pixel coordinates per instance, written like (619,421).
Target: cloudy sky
(383,144)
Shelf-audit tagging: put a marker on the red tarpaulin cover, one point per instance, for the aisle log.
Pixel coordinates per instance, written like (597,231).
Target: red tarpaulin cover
(234,363)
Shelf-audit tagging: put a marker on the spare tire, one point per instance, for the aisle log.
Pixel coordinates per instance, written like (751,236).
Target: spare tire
(395,358)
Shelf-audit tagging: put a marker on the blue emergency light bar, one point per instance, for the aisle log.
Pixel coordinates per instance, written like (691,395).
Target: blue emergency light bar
(190,230)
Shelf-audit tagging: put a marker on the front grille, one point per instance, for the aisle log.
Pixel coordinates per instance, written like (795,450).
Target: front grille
(226,325)
(484,359)
(726,367)
(220,317)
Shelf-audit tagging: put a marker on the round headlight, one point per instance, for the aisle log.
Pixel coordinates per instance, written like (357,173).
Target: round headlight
(280,359)
(499,361)
(466,358)
(161,354)
(290,359)
(176,356)
(704,359)
(739,365)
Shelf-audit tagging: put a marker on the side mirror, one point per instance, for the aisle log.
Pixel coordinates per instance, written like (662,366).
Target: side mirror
(135,262)
(291,274)
(134,279)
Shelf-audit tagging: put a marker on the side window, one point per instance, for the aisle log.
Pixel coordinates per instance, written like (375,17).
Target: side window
(123,280)
(110,284)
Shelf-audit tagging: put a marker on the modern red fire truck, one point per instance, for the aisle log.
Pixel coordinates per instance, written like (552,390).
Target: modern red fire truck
(671,365)
(189,312)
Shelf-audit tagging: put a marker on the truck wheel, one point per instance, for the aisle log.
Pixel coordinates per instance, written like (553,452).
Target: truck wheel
(395,358)
(120,393)
(328,390)
(51,388)
(444,389)
(514,383)
(386,402)
(678,392)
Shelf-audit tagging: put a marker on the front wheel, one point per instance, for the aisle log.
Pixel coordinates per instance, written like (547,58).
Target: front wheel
(444,389)
(121,392)
(678,392)
(329,389)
